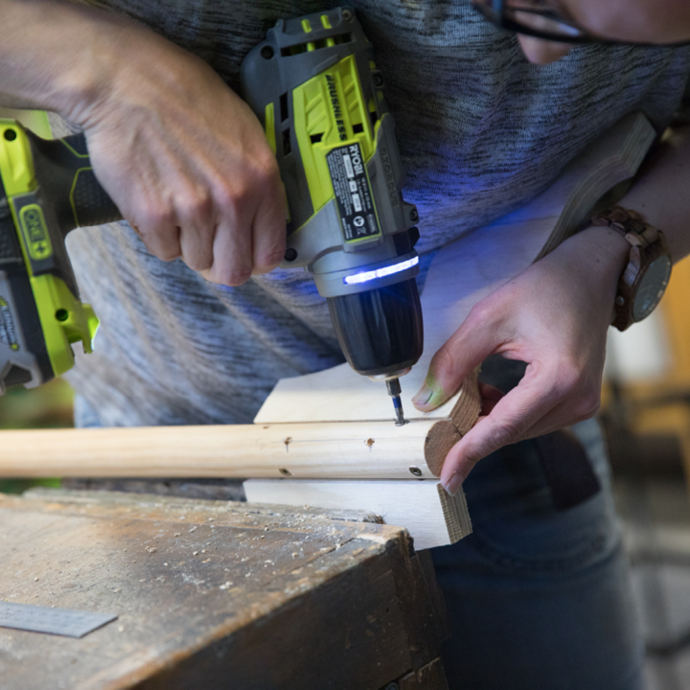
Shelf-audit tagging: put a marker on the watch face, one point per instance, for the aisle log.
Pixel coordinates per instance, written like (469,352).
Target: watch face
(651,287)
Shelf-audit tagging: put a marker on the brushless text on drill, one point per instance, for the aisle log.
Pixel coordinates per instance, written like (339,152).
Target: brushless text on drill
(335,102)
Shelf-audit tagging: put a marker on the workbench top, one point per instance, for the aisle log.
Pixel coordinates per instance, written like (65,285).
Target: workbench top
(216,595)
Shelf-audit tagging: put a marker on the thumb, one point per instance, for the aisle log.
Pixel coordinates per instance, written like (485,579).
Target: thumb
(459,355)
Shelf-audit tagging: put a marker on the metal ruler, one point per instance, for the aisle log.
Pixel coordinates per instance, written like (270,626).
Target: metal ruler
(53,621)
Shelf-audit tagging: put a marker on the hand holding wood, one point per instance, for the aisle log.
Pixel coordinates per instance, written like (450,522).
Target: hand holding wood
(553,316)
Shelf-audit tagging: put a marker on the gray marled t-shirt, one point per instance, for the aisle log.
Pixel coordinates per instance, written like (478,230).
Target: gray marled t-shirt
(480,129)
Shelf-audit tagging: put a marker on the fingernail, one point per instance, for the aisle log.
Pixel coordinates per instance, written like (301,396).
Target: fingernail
(423,396)
(452,486)
(429,395)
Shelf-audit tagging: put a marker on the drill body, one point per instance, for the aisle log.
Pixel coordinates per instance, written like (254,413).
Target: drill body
(314,86)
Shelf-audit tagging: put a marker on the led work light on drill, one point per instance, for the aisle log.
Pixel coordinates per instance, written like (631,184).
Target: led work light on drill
(314,85)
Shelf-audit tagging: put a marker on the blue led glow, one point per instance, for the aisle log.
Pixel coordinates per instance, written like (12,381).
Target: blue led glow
(366,276)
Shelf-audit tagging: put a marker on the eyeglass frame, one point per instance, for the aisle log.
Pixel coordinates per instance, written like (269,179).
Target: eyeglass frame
(498,18)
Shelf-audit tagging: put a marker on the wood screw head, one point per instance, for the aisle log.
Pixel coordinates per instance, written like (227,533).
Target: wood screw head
(285,472)
(416,471)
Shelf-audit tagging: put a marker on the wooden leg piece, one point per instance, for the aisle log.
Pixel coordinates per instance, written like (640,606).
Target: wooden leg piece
(430,515)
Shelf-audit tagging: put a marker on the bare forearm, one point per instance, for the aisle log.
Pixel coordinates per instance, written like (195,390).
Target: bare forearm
(56,55)
(182,156)
(662,193)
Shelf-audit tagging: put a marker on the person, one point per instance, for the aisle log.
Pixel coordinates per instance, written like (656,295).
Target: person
(198,324)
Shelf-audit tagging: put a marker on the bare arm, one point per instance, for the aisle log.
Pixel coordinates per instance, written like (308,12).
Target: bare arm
(662,191)
(65,70)
(181,155)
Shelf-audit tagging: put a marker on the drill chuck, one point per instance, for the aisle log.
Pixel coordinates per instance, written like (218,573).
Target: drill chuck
(380,331)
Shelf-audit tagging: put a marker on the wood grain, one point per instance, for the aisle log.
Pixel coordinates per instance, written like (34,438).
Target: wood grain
(431,516)
(447,432)
(209,594)
(354,450)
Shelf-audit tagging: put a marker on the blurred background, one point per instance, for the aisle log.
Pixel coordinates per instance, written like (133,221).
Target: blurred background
(41,408)
(646,415)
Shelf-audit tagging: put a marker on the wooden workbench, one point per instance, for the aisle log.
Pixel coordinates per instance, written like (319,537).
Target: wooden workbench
(211,594)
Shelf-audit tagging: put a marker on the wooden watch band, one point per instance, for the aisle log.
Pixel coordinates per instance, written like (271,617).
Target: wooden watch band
(647,243)
(628,223)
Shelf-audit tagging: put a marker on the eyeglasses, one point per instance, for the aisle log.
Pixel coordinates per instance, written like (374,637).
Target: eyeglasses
(536,18)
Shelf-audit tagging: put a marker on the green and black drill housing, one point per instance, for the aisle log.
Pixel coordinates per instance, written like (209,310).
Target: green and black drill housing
(315,87)
(47,188)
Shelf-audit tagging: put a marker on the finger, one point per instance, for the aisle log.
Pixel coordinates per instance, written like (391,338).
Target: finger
(249,212)
(156,224)
(545,400)
(526,412)
(145,204)
(269,230)
(232,240)
(562,415)
(162,239)
(197,228)
(490,395)
(468,347)
(510,420)
(232,257)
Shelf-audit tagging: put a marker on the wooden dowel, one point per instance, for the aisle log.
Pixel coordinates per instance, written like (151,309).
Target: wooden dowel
(347,450)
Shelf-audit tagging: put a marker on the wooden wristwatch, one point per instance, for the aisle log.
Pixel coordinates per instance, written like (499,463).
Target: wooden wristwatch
(646,276)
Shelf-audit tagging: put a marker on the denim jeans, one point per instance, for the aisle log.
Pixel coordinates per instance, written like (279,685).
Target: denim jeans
(538,598)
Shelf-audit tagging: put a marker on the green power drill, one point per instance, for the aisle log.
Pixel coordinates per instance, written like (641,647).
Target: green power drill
(314,85)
